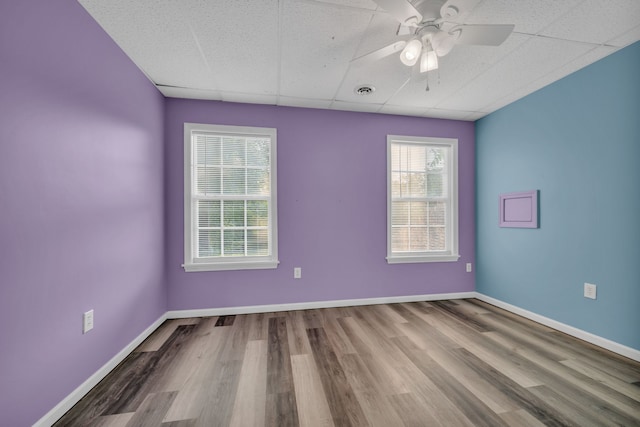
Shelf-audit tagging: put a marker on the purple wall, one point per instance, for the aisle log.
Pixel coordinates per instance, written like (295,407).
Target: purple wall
(331,209)
(81,203)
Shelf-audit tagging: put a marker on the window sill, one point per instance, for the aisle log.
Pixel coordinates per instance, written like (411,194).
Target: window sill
(227,266)
(410,259)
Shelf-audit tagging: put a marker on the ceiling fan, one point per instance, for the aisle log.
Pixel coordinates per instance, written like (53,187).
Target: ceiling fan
(432,32)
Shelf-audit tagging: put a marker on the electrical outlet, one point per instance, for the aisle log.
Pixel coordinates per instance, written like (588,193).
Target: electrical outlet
(590,290)
(469,267)
(297,273)
(87,321)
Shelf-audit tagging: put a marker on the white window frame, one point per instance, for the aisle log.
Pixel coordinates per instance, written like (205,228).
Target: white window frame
(451,254)
(191,261)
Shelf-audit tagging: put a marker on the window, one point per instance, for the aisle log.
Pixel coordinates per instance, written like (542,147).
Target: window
(422,199)
(230,218)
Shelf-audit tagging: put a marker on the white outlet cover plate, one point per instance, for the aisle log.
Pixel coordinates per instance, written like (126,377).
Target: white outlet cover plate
(590,290)
(87,321)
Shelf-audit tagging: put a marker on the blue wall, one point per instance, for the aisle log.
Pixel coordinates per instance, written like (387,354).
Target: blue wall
(578,142)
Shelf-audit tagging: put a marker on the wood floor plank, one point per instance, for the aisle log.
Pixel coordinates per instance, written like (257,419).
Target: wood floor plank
(192,396)
(520,337)
(338,338)
(343,404)
(152,410)
(163,361)
(181,423)
(237,342)
(377,322)
(249,405)
(578,414)
(575,348)
(191,356)
(412,412)
(258,325)
(496,356)
(596,394)
(521,395)
(390,314)
(520,418)
(225,320)
(429,396)
(220,395)
(450,308)
(370,394)
(127,388)
(487,393)
(381,364)
(107,393)
(115,420)
(162,334)
(313,409)
(468,403)
(611,379)
(297,333)
(437,363)
(281,407)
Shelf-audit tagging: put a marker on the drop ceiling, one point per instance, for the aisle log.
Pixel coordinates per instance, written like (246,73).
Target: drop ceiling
(299,52)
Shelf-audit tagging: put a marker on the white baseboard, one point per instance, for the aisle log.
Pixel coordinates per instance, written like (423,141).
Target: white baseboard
(613,346)
(226,311)
(67,403)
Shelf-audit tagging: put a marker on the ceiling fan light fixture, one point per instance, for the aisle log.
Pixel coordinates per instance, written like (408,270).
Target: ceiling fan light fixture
(411,53)
(443,42)
(429,61)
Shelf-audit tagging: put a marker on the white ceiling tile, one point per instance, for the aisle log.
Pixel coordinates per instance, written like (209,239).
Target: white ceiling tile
(455,70)
(288,101)
(380,32)
(528,16)
(386,75)
(553,76)
(239,43)
(153,34)
(248,98)
(436,113)
(596,21)
(627,38)
(176,92)
(354,106)
(476,115)
(299,52)
(317,45)
(361,4)
(533,60)
(402,110)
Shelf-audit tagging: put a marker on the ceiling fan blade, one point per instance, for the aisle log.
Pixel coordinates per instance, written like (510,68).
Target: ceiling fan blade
(379,53)
(489,35)
(402,10)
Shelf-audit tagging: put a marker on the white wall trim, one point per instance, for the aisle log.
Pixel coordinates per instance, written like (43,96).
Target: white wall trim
(74,397)
(226,311)
(621,349)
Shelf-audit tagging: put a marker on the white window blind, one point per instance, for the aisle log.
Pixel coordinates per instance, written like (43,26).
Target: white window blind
(422,218)
(230,214)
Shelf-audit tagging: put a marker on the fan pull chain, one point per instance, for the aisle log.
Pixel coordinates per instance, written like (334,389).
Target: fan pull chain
(427,88)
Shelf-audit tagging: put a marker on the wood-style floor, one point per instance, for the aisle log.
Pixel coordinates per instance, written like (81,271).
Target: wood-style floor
(450,363)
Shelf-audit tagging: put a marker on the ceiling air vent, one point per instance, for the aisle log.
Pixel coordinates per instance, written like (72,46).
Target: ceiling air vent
(364,89)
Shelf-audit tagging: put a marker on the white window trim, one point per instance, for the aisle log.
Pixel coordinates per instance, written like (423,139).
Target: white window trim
(420,257)
(191,263)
